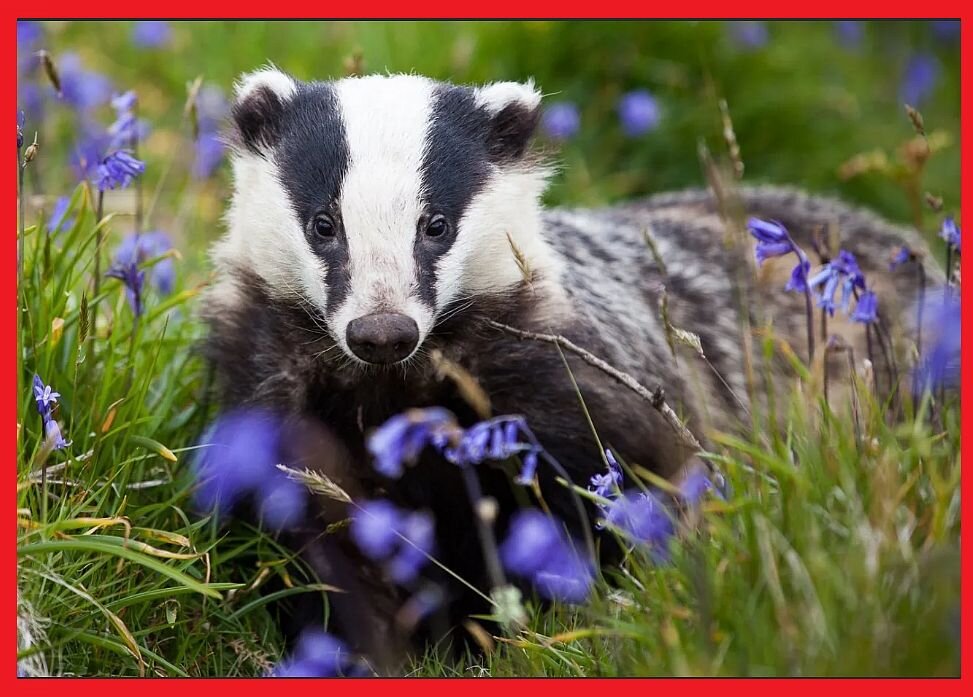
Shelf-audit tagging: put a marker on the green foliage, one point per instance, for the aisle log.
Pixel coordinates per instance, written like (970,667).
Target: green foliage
(838,551)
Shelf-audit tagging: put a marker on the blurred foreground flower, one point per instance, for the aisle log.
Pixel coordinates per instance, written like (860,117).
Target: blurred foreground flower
(639,112)
(537,548)
(939,364)
(401,440)
(133,279)
(643,519)
(951,233)
(401,540)
(849,32)
(319,655)
(561,120)
(58,220)
(238,459)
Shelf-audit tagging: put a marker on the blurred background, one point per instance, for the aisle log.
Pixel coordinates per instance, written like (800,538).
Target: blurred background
(816,104)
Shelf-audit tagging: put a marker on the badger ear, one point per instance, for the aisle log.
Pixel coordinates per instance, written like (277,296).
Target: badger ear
(259,107)
(514,109)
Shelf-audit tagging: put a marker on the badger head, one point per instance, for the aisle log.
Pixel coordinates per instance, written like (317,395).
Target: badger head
(383,203)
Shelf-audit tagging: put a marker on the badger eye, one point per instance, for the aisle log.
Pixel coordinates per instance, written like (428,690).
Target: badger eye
(437,226)
(323,226)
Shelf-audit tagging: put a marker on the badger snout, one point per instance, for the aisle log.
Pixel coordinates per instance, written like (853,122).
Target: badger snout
(386,337)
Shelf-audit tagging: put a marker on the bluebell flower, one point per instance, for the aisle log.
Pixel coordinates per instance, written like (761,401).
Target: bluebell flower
(401,540)
(44,396)
(773,240)
(319,655)
(402,438)
(211,108)
(643,519)
(749,34)
(866,310)
(59,219)
(238,459)
(497,439)
(902,255)
(561,120)
(20,129)
(639,112)
(118,170)
(31,97)
(134,281)
(126,129)
(939,364)
(151,33)
(946,29)
(951,233)
(29,33)
(88,151)
(841,272)
(537,548)
(82,89)
(920,78)
(849,32)
(209,154)
(140,247)
(606,485)
(695,485)
(52,434)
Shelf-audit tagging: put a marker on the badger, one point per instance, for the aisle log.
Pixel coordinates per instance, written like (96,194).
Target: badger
(377,222)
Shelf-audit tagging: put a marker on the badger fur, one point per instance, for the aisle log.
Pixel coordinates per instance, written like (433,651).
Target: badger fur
(403,198)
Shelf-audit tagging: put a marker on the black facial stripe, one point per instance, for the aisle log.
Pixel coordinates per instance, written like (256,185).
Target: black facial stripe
(312,156)
(455,168)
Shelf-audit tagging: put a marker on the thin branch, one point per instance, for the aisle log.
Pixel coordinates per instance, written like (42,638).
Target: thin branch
(656,397)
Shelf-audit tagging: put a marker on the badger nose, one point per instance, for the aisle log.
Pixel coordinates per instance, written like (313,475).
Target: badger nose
(383,337)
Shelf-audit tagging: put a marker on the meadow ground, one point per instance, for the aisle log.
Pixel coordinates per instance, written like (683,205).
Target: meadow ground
(837,551)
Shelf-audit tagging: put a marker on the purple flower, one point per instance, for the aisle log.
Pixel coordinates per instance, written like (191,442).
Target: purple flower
(773,240)
(497,439)
(643,519)
(20,129)
(318,655)
(59,219)
(402,438)
(694,485)
(920,78)
(538,548)
(843,272)
(951,233)
(138,248)
(866,310)
(902,256)
(151,34)
(126,129)
(939,366)
(606,485)
(401,540)
(849,33)
(942,29)
(118,170)
(209,154)
(238,458)
(748,34)
(561,120)
(44,395)
(45,398)
(82,89)
(32,98)
(134,280)
(88,151)
(28,34)
(639,112)
(52,434)
(211,108)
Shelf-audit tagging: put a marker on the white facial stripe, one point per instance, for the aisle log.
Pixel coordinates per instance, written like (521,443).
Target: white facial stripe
(385,119)
(265,235)
(481,259)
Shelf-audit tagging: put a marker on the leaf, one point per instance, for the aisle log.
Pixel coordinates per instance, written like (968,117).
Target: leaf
(156,447)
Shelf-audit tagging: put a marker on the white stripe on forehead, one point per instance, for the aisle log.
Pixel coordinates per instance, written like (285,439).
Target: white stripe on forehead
(385,121)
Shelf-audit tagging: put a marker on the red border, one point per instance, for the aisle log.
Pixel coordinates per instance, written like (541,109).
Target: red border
(494,9)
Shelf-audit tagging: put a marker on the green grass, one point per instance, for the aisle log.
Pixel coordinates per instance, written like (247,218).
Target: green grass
(837,553)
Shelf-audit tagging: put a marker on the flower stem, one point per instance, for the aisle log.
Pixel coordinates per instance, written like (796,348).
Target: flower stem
(488,543)
(99,212)
(809,314)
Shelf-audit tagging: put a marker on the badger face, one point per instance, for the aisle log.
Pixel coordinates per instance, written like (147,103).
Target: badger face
(383,203)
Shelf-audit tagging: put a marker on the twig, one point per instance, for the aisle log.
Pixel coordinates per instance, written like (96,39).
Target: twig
(654,397)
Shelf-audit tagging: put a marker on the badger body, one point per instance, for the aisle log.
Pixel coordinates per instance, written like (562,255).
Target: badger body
(378,220)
